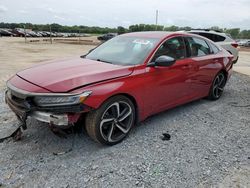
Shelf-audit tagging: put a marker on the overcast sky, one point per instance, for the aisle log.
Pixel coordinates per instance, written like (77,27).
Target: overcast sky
(112,13)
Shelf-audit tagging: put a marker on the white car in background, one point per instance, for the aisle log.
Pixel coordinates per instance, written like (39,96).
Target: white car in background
(222,39)
(247,44)
(241,42)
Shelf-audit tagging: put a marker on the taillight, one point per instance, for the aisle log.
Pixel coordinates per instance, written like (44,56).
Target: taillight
(235,45)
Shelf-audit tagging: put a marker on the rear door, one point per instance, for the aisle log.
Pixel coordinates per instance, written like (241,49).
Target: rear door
(205,65)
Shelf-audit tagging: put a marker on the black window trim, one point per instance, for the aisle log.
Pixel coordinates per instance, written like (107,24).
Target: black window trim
(210,45)
(187,46)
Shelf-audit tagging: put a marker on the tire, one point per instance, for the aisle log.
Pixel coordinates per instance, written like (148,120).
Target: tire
(112,121)
(217,87)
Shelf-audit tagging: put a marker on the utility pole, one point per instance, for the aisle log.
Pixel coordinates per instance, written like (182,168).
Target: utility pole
(50,34)
(25,33)
(156,19)
(79,36)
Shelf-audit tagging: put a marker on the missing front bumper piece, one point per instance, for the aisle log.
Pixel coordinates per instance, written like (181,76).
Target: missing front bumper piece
(54,119)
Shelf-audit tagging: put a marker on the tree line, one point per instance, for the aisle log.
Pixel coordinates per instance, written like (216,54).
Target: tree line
(234,32)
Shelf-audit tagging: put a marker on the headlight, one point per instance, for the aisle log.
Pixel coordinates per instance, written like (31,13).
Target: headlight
(60,100)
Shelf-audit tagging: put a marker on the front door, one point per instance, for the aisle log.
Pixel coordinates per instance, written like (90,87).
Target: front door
(168,86)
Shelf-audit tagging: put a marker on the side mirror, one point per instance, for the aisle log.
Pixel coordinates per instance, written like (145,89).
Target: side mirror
(164,61)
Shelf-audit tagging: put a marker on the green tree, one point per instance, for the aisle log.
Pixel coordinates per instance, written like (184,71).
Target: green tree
(216,28)
(121,30)
(171,28)
(245,34)
(233,32)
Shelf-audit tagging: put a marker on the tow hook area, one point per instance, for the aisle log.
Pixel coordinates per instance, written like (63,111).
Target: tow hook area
(60,120)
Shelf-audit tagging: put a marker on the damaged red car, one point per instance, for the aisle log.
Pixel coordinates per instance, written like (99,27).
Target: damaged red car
(121,82)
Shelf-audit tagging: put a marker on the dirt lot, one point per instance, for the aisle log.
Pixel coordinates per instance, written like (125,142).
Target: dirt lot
(243,65)
(209,145)
(16,55)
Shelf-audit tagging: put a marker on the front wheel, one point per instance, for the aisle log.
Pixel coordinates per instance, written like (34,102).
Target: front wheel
(217,87)
(111,123)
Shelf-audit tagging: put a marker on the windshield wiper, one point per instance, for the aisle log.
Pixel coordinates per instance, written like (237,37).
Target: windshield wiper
(104,61)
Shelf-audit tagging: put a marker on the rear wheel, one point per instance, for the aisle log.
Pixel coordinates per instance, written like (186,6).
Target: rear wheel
(111,123)
(217,87)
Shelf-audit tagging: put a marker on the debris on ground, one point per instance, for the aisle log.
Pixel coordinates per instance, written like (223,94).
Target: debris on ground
(165,136)
(10,175)
(16,135)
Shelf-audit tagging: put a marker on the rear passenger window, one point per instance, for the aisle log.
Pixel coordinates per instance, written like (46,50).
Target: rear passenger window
(198,47)
(214,48)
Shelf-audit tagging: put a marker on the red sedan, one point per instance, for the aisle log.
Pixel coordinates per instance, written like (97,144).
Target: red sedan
(121,82)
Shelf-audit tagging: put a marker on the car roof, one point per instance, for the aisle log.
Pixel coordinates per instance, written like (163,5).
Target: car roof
(161,34)
(150,34)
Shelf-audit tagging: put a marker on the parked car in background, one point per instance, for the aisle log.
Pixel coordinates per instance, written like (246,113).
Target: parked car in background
(241,42)
(107,36)
(222,39)
(121,82)
(247,44)
(7,33)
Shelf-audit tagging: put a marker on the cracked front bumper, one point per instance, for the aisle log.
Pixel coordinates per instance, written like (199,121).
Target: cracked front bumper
(23,112)
(53,119)
(61,116)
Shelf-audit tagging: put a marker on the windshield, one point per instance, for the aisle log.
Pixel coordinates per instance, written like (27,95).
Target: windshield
(123,50)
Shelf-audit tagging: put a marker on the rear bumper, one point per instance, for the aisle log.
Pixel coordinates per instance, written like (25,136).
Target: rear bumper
(235,60)
(229,72)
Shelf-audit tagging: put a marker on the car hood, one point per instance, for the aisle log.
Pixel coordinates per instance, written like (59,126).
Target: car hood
(66,75)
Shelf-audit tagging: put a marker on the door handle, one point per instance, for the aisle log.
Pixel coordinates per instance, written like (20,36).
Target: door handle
(187,66)
(216,60)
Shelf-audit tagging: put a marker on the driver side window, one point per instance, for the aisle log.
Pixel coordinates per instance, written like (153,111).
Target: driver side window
(174,47)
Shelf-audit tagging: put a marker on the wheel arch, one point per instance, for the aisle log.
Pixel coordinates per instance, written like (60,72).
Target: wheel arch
(224,72)
(133,100)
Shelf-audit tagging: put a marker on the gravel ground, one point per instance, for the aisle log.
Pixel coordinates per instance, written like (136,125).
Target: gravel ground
(209,147)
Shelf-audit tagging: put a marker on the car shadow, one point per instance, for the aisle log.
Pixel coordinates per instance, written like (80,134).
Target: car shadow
(176,111)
